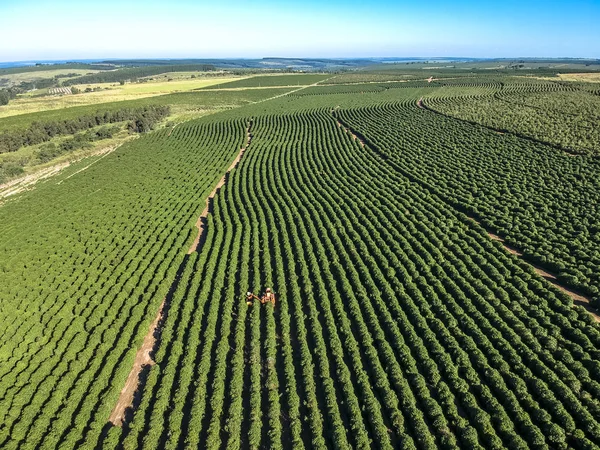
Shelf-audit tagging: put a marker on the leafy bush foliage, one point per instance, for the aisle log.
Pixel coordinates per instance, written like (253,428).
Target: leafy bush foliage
(39,132)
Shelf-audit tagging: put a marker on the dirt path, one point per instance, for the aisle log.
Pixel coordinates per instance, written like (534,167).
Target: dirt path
(201,222)
(578,298)
(142,358)
(348,131)
(22,184)
(295,90)
(172,129)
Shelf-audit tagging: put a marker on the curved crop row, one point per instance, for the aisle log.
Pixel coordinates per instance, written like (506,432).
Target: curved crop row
(399,323)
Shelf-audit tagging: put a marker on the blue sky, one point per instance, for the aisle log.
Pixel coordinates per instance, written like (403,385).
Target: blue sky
(64,29)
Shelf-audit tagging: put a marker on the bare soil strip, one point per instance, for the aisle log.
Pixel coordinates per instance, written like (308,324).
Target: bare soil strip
(142,358)
(578,298)
(172,129)
(348,131)
(27,182)
(200,223)
(103,153)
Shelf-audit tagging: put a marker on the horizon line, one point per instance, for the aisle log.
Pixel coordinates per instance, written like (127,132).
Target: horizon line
(365,58)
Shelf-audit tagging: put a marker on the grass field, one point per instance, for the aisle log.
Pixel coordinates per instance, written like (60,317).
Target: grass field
(186,104)
(16,78)
(436,272)
(276,80)
(110,92)
(587,77)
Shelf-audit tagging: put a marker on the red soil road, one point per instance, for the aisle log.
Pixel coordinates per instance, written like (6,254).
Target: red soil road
(142,357)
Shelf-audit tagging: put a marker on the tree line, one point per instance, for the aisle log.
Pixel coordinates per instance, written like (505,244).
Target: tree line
(49,151)
(6,95)
(141,120)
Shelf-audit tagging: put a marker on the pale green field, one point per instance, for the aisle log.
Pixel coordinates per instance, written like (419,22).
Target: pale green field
(589,77)
(114,93)
(158,86)
(186,75)
(580,77)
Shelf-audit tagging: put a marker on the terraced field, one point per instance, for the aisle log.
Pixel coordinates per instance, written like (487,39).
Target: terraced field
(375,215)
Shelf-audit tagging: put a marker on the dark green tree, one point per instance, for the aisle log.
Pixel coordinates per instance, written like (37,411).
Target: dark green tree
(4,97)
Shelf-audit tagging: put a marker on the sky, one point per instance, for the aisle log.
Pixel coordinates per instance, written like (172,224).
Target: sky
(68,29)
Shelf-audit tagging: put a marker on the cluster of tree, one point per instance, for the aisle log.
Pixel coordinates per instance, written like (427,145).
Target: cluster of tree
(147,118)
(43,83)
(127,74)
(6,95)
(66,75)
(11,93)
(90,89)
(141,120)
(10,170)
(37,84)
(49,151)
